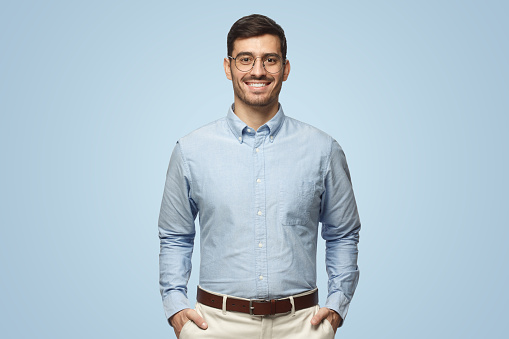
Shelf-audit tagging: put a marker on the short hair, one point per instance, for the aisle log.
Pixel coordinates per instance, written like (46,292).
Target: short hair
(255,25)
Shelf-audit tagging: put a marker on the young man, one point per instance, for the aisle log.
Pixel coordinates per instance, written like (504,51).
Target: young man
(261,182)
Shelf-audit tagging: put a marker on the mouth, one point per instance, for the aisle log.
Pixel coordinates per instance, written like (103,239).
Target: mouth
(257,84)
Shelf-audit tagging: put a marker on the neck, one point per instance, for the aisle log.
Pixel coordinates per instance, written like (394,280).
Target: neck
(255,116)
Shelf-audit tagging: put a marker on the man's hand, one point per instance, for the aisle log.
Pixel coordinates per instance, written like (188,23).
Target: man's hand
(326,313)
(180,318)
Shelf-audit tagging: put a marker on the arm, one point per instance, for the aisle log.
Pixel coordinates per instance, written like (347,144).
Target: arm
(176,234)
(340,229)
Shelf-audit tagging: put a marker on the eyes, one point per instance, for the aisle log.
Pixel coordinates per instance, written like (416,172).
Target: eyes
(246,60)
(267,60)
(271,62)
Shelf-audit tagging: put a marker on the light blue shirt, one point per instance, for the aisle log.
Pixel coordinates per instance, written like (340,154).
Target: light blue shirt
(260,196)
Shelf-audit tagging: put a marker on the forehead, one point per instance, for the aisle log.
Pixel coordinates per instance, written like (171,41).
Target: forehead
(258,45)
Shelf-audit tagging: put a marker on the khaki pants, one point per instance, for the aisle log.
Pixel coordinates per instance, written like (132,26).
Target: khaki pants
(235,325)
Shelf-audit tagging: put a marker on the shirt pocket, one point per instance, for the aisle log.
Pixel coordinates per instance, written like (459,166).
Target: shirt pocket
(295,202)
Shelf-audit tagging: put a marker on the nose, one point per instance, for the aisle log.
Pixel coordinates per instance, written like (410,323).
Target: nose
(258,68)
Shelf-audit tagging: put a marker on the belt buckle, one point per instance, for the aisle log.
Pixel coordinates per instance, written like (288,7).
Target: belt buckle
(272,307)
(251,307)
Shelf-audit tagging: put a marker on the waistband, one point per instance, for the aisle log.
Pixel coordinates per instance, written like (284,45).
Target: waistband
(258,307)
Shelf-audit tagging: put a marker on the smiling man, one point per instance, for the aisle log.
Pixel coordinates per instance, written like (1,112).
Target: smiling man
(261,182)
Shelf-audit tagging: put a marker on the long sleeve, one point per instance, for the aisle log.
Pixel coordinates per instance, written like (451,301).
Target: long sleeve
(340,229)
(176,234)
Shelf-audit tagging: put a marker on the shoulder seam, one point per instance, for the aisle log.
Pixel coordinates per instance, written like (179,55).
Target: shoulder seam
(329,157)
(310,126)
(204,126)
(186,167)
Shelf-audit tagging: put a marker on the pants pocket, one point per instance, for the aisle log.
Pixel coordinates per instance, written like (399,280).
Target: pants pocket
(327,328)
(185,328)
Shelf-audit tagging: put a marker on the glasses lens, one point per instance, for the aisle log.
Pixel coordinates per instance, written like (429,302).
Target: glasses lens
(273,63)
(244,63)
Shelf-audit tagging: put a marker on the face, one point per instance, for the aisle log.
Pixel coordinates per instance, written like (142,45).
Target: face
(256,88)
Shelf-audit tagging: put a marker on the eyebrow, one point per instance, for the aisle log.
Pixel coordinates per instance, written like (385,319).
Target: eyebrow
(263,56)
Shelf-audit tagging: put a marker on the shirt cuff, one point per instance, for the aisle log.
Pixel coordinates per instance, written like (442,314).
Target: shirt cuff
(175,301)
(338,302)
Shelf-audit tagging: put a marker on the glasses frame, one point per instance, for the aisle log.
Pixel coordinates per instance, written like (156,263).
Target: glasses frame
(254,61)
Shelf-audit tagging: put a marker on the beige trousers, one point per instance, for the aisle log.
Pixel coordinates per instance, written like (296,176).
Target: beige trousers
(235,325)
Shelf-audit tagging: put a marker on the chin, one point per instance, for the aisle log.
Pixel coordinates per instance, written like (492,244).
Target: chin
(258,102)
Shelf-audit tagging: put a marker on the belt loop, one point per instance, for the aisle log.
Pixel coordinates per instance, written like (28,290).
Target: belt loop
(293,306)
(224,304)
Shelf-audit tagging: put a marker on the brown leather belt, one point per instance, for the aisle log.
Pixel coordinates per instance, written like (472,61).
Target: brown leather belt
(257,307)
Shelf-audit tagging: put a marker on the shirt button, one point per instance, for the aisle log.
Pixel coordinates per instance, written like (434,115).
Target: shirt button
(260,245)
(260,277)
(271,137)
(258,180)
(259,212)
(257,150)
(249,130)
(240,138)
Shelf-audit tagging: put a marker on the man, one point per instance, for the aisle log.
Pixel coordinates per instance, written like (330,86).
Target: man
(261,182)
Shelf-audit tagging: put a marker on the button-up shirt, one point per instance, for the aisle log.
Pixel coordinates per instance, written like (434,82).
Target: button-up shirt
(260,195)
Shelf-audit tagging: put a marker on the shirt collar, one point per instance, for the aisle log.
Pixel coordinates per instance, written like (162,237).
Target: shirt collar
(237,126)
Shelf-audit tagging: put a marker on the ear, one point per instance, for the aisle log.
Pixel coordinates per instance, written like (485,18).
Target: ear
(227,69)
(286,70)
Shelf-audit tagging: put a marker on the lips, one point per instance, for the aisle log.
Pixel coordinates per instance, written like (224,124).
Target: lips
(257,84)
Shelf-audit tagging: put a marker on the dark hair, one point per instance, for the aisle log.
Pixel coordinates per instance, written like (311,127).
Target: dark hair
(255,25)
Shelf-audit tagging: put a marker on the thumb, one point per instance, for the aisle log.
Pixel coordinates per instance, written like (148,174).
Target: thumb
(319,316)
(197,319)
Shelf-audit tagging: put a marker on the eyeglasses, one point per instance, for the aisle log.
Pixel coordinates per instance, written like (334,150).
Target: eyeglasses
(272,63)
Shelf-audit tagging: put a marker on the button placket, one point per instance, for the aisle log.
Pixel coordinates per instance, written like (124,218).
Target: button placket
(262,288)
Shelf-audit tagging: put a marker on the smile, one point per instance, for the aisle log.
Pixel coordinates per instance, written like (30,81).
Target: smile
(257,84)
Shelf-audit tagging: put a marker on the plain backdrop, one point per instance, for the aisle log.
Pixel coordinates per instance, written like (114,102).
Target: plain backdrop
(94,95)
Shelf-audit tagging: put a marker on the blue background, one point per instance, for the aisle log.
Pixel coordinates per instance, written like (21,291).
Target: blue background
(93,96)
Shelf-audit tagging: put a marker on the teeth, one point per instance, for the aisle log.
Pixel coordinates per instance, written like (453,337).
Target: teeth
(257,84)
